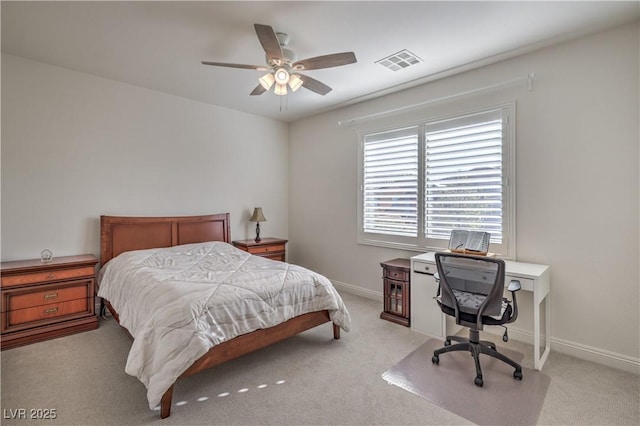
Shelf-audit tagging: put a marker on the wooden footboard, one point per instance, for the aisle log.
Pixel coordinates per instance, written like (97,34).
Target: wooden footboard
(242,345)
(247,343)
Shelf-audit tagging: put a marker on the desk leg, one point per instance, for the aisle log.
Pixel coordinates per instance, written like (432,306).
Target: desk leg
(547,337)
(536,335)
(538,359)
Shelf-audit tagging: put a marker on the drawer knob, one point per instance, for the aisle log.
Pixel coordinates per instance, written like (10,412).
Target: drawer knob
(50,311)
(51,276)
(50,296)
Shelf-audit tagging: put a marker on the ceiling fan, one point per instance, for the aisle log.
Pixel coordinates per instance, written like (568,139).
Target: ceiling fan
(283,67)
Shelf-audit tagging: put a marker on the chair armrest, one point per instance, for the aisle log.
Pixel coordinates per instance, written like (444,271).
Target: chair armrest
(436,277)
(514,286)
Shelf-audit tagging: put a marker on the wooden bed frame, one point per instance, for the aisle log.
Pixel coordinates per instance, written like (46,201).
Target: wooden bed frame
(119,234)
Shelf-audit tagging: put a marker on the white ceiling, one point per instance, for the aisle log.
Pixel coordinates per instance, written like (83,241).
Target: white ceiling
(159,45)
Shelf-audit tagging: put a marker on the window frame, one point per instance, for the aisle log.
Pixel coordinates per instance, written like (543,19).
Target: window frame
(421,121)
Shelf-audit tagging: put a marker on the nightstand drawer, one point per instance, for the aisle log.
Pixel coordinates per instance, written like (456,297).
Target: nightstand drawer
(395,274)
(271,248)
(276,248)
(45,296)
(45,312)
(53,275)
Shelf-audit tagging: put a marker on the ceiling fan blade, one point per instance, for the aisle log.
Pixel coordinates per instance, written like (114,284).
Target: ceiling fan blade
(248,67)
(259,90)
(314,85)
(269,42)
(326,61)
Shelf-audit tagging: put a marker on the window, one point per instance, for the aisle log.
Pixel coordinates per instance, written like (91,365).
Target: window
(420,182)
(390,183)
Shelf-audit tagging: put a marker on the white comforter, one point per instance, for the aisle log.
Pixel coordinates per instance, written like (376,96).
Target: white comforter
(178,302)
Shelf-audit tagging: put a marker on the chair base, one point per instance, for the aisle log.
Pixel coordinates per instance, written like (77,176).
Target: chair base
(476,346)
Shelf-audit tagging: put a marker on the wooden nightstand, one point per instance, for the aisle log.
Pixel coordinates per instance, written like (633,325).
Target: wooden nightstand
(273,248)
(396,276)
(41,301)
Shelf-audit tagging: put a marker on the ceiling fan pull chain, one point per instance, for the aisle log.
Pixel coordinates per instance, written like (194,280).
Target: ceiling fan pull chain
(284,100)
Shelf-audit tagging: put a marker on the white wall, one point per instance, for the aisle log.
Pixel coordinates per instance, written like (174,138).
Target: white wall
(75,146)
(577,188)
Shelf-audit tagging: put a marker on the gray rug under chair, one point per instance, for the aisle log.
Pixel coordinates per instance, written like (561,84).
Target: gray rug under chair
(502,400)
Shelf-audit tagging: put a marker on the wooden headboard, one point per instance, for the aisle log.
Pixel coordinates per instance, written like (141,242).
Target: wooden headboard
(120,233)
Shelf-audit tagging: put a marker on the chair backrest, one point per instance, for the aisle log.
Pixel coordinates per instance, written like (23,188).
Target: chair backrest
(471,284)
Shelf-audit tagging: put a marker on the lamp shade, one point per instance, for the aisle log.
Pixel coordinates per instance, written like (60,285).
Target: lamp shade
(257,215)
(267,81)
(280,89)
(295,82)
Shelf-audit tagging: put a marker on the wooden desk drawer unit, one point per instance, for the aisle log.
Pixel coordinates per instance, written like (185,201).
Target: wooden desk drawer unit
(273,248)
(45,300)
(396,276)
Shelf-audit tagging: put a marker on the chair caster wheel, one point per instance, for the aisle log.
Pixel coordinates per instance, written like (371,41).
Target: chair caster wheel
(505,338)
(447,342)
(435,359)
(517,375)
(478,381)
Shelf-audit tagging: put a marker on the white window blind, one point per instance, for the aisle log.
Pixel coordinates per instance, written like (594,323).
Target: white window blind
(390,183)
(463,176)
(420,182)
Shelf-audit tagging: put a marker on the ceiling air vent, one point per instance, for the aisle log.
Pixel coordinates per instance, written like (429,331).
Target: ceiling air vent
(399,60)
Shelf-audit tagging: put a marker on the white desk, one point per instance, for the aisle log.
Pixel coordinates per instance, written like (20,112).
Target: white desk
(427,318)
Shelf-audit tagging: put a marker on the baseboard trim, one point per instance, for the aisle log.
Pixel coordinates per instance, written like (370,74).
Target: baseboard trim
(578,350)
(585,352)
(358,291)
(597,355)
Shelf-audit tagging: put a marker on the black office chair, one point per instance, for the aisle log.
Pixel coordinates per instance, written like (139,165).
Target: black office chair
(471,290)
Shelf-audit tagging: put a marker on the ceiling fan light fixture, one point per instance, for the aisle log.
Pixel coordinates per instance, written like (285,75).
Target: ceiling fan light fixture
(295,82)
(281,75)
(280,89)
(267,81)
(282,62)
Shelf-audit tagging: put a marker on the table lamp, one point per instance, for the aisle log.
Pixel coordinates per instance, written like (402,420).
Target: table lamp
(257,217)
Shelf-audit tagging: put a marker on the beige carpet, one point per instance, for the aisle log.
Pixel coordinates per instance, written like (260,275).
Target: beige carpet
(501,401)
